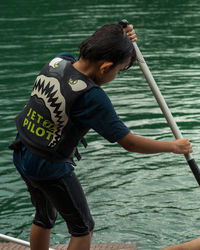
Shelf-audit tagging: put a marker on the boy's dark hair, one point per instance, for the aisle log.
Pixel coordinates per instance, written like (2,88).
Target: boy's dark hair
(110,43)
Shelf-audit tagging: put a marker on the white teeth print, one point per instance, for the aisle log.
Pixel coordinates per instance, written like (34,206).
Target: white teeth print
(48,89)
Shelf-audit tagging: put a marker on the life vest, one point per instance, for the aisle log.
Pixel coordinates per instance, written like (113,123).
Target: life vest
(45,125)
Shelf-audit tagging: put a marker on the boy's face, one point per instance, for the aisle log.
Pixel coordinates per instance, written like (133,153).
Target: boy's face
(108,73)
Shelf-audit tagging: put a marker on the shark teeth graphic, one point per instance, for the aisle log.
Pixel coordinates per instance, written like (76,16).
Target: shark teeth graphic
(48,89)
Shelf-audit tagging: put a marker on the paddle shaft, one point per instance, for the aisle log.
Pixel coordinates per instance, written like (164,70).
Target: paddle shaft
(17,241)
(163,106)
(160,99)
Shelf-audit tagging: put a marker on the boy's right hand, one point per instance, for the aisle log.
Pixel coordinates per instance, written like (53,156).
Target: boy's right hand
(182,146)
(131,33)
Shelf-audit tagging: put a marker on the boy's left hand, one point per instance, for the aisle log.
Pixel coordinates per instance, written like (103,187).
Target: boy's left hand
(131,33)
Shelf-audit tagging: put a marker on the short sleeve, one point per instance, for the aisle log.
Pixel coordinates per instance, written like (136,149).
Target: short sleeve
(95,110)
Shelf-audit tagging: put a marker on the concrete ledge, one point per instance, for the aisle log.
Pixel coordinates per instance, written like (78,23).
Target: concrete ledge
(94,246)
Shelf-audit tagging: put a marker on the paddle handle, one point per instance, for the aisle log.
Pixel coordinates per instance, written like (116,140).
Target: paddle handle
(163,106)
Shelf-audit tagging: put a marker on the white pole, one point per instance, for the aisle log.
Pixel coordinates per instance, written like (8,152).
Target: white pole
(18,241)
(160,99)
(167,113)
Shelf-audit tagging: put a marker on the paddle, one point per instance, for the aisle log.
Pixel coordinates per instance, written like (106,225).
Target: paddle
(17,241)
(163,106)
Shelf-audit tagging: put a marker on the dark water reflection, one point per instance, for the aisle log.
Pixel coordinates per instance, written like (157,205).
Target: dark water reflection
(150,200)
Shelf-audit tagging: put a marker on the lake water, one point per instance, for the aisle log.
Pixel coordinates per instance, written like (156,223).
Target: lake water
(150,200)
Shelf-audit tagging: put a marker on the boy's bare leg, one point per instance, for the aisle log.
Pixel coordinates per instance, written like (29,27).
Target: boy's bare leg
(80,243)
(39,238)
(191,245)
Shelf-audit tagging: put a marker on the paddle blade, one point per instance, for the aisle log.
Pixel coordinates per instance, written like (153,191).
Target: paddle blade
(195,170)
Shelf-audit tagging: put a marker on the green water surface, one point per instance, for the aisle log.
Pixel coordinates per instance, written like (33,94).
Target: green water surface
(150,200)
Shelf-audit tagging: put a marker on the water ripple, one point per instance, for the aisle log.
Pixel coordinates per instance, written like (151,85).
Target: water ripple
(134,198)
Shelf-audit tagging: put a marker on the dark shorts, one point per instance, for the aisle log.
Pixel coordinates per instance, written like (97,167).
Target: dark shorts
(64,195)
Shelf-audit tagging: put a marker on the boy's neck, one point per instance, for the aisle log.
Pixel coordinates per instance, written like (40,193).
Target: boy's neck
(85,67)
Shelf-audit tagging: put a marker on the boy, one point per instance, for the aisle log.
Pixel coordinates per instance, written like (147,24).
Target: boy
(66,101)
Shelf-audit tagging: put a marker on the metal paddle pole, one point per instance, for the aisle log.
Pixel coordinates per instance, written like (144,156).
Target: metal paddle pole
(163,106)
(17,241)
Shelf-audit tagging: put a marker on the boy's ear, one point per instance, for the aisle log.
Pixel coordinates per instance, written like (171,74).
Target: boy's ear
(105,66)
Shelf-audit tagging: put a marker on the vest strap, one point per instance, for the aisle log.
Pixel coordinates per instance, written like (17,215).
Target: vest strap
(83,141)
(15,145)
(78,156)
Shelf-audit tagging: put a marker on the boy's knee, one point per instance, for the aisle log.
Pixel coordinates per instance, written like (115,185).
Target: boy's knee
(45,219)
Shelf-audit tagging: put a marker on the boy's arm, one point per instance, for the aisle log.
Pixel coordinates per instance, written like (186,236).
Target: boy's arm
(134,143)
